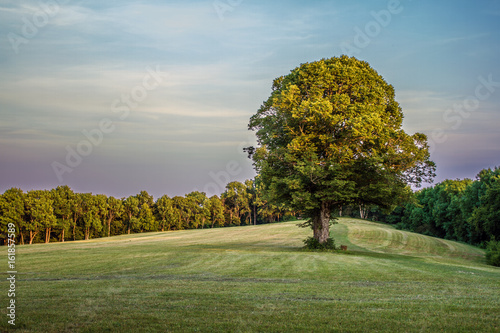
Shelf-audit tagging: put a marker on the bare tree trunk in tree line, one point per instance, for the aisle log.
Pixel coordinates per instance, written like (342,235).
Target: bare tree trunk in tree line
(109,225)
(47,235)
(62,236)
(254,214)
(363,212)
(32,236)
(321,224)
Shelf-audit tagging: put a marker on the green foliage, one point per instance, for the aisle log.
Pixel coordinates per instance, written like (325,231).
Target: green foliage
(463,210)
(236,199)
(493,253)
(216,211)
(39,213)
(311,243)
(12,210)
(61,214)
(165,212)
(331,134)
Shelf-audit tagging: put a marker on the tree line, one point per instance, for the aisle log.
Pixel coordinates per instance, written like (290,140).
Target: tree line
(465,210)
(43,216)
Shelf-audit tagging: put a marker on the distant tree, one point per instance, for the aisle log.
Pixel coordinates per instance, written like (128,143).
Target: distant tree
(165,212)
(131,208)
(330,135)
(12,211)
(63,198)
(145,198)
(146,218)
(115,210)
(236,200)
(103,206)
(483,206)
(91,214)
(199,208)
(183,211)
(216,211)
(76,212)
(39,213)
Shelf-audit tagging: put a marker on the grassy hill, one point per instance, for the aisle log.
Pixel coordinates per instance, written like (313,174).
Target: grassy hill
(255,279)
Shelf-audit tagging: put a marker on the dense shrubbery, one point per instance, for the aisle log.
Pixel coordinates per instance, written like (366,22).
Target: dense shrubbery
(312,243)
(493,253)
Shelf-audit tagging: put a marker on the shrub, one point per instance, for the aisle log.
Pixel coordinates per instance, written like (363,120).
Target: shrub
(312,243)
(493,253)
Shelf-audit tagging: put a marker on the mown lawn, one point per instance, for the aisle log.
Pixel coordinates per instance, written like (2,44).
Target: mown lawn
(255,279)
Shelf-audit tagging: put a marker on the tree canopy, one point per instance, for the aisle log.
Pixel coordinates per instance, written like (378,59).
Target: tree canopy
(329,135)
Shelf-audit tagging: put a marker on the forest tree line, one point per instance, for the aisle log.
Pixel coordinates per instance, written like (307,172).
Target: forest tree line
(462,210)
(43,216)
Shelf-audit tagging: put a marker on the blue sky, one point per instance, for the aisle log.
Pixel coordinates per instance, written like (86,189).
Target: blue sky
(170,86)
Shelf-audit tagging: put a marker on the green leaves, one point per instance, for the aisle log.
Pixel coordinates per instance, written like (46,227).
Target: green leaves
(331,132)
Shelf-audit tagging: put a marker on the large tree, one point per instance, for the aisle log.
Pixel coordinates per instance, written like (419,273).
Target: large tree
(330,135)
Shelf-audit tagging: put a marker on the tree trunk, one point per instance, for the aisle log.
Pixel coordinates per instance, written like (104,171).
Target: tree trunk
(363,211)
(62,236)
(109,225)
(47,235)
(321,223)
(87,232)
(254,214)
(22,237)
(32,236)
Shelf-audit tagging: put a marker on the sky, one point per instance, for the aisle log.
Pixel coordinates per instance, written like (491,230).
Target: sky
(117,97)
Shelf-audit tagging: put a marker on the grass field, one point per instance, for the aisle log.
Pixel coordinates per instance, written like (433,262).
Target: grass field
(255,279)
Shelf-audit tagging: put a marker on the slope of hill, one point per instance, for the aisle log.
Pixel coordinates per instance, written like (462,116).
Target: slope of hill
(255,278)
